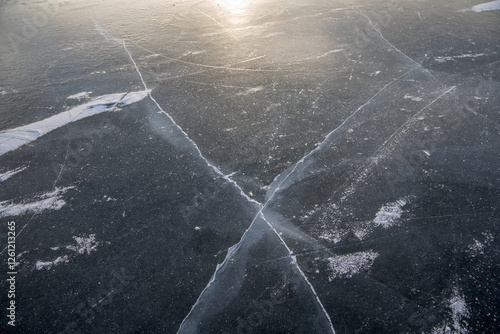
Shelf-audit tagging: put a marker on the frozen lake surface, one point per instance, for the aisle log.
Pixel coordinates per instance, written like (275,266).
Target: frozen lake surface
(250,166)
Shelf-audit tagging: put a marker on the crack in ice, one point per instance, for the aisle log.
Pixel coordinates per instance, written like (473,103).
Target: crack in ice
(222,67)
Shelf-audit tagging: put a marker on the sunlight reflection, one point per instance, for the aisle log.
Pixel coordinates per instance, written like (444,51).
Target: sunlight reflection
(236,4)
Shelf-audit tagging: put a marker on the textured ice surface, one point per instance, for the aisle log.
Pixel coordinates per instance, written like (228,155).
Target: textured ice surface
(277,167)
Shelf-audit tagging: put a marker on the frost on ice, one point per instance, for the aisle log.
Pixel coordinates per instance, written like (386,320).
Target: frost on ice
(389,213)
(49,264)
(7,175)
(345,266)
(48,201)
(79,96)
(85,244)
(459,314)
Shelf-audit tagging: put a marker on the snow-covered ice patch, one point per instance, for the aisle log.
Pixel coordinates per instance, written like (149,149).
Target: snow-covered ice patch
(345,266)
(460,312)
(493,5)
(251,90)
(275,34)
(389,213)
(362,232)
(329,53)
(49,264)
(477,247)
(333,236)
(451,58)
(7,175)
(15,138)
(48,201)
(413,98)
(325,54)
(84,244)
(79,96)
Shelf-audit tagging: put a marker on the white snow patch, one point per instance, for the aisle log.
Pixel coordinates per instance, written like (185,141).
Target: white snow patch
(493,5)
(251,91)
(48,201)
(413,98)
(84,244)
(7,175)
(345,266)
(328,53)
(79,96)
(48,265)
(460,312)
(389,213)
(477,247)
(15,138)
(334,236)
(489,238)
(361,233)
(275,34)
(451,58)
(324,54)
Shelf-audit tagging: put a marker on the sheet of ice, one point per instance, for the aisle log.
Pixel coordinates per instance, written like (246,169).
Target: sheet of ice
(345,266)
(493,5)
(15,138)
(48,201)
(7,175)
